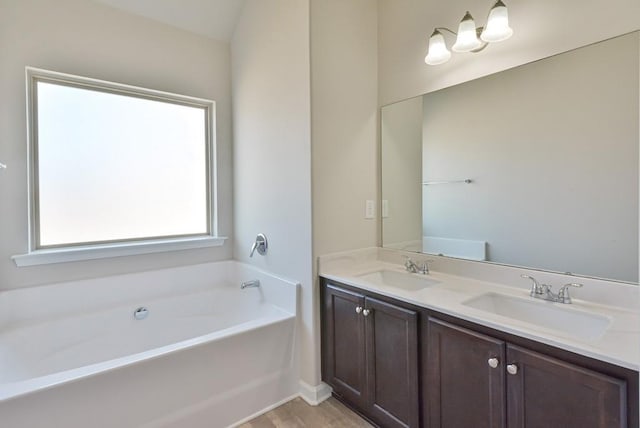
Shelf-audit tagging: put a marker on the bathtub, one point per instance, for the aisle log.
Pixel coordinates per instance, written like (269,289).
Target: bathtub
(207,354)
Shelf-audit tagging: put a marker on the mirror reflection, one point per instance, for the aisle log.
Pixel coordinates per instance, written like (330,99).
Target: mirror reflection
(536,166)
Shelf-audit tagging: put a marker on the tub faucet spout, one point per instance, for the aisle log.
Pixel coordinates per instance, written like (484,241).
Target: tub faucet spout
(250,284)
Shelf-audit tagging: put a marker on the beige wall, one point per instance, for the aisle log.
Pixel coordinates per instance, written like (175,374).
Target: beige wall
(344,149)
(552,148)
(272,68)
(344,123)
(89,39)
(401,169)
(541,28)
(272,150)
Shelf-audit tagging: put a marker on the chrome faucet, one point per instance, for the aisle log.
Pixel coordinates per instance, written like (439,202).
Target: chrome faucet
(545,292)
(260,245)
(411,266)
(250,284)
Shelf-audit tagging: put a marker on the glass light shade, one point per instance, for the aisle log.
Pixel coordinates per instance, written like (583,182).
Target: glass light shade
(438,52)
(497,28)
(467,37)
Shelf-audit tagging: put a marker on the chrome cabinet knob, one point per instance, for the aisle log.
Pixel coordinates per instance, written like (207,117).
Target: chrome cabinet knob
(493,362)
(358,309)
(366,312)
(512,369)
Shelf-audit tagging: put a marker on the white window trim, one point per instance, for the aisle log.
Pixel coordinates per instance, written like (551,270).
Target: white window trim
(36,256)
(103,251)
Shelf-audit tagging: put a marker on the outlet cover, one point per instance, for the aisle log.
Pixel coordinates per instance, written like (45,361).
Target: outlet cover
(370,209)
(385,208)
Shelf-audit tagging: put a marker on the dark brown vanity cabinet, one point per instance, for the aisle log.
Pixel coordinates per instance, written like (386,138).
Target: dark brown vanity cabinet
(344,362)
(475,381)
(370,356)
(547,392)
(404,366)
(462,389)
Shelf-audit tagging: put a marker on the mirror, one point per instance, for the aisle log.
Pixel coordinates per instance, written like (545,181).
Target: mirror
(535,166)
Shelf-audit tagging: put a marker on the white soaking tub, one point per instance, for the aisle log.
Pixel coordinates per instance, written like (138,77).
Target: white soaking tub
(207,354)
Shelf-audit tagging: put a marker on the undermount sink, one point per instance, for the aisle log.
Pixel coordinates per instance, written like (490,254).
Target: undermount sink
(543,314)
(401,280)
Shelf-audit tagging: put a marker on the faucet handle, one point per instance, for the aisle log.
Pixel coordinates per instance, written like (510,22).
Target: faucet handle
(410,265)
(260,245)
(563,293)
(535,286)
(424,267)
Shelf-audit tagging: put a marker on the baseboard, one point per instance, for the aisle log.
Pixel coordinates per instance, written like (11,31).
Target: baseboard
(263,411)
(314,395)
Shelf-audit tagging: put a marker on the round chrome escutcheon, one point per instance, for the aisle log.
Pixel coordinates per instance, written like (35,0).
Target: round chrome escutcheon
(141,313)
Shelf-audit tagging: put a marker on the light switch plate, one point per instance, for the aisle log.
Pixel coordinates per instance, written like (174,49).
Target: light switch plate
(370,209)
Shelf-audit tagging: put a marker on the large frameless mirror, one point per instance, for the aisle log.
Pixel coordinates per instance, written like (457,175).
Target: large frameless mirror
(536,166)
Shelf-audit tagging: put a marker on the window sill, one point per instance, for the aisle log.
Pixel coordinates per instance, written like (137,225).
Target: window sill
(92,252)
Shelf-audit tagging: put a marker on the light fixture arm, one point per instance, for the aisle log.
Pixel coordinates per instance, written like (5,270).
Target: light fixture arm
(484,44)
(446,29)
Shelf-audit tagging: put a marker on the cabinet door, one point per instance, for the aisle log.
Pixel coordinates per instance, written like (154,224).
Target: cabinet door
(392,363)
(344,359)
(463,389)
(545,392)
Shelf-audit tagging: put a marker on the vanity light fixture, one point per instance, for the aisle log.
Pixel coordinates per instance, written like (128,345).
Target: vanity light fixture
(496,30)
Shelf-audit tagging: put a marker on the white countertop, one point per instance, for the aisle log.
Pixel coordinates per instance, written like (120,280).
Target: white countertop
(619,344)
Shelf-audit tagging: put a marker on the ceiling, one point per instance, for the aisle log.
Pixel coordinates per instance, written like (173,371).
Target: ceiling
(211,18)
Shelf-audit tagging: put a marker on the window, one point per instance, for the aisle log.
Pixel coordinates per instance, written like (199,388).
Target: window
(114,166)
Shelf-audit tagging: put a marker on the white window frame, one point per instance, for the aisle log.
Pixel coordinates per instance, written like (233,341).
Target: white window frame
(74,252)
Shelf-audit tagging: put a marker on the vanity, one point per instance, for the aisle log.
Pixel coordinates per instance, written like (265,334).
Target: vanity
(530,171)
(442,350)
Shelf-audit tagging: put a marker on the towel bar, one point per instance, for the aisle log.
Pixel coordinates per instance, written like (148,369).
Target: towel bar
(429,183)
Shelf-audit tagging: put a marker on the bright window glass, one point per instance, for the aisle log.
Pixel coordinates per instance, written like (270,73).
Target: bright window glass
(114,166)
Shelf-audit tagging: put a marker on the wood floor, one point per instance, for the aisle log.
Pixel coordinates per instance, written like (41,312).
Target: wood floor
(298,414)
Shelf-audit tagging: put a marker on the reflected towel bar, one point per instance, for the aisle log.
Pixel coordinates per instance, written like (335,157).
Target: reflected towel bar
(429,183)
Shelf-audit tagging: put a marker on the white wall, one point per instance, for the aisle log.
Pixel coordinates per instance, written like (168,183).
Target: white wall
(401,169)
(541,28)
(281,125)
(343,130)
(552,148)
(344,123)
(272,149)
(90,39)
